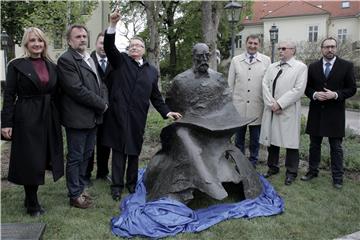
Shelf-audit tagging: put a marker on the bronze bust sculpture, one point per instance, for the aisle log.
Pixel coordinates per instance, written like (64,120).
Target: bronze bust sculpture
(196,150)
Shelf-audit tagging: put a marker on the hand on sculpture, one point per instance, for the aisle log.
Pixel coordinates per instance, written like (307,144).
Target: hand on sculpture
(174,115)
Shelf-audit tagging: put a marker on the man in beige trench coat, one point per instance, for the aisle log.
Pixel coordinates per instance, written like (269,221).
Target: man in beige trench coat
(283,85)
(245,80)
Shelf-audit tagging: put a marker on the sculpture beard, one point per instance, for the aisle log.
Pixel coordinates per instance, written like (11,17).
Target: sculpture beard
(203,67)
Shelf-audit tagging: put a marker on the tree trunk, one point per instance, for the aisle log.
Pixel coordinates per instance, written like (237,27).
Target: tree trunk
(153,48)
(170,8)
(210,22)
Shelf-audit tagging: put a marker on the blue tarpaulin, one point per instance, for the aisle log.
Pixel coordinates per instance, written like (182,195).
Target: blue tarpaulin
(167,217)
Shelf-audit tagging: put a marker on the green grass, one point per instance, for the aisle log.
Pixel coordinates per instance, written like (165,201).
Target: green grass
(313,210)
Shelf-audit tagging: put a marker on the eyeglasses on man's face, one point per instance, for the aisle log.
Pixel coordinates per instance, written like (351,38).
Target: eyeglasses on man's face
(328,47)
(136,45)
(283,48)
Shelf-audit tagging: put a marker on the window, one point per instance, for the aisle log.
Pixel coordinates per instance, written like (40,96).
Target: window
(238,41)
(345,4)
(313,33)
(342,35)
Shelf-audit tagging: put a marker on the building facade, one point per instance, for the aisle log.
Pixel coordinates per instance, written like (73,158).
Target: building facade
(303,22)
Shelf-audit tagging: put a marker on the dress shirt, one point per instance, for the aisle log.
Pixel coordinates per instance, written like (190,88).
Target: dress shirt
(248,57)
(332,61)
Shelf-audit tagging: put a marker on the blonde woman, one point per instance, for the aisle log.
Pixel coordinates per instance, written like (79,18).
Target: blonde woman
(30,118)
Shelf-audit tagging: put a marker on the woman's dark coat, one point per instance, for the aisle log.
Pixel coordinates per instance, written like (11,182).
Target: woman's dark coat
(132,87)
(29,108)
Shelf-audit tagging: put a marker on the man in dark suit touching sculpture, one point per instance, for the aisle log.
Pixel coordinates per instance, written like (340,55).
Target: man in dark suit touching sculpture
(135,82)
(330,81)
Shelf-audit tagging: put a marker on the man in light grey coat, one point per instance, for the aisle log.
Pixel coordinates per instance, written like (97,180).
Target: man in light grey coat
(245,80)
(283,85)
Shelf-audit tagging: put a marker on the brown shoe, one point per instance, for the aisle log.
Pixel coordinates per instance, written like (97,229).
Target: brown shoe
(80,202)
(87,196)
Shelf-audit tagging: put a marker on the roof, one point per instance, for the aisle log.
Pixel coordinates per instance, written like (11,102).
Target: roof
(274,9)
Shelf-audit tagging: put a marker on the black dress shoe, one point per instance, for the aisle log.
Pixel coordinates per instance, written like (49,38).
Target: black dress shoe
(308,176)
(116,196)
(289,180)
(36,212)
(270,173)
(337,185)
(131,189)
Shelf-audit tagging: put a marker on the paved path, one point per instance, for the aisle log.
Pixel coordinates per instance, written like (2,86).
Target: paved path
(352,119)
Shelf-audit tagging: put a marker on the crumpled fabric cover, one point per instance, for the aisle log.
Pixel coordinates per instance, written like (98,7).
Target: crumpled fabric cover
(167,217)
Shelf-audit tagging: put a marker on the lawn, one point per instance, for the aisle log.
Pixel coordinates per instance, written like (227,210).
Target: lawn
(313,210)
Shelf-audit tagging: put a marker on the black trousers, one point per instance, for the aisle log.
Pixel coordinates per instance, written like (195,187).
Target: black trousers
(291,160)
(336,155)
(31,199)
(118,170)
(102,159)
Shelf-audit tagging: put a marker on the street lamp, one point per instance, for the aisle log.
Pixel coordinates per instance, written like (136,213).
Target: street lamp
(233,10)
(274,34)
(5,45)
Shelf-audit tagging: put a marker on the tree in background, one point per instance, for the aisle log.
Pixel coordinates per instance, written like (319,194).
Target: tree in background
(173,27)
(50,16)
(210,23)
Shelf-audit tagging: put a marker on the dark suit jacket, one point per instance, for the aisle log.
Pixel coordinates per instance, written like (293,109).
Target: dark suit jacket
(105,76)
(30,109)
(327,118)
(83,100)
(132,88)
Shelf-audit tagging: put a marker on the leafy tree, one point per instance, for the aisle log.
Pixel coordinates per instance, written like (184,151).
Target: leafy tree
(50,16)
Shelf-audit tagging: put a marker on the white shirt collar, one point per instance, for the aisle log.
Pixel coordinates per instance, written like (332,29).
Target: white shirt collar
(99,58)
(332,61)
(248,55)
(140,61)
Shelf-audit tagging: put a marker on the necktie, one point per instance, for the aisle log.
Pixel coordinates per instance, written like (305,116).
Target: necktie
(327,69)
(274,83)
(251,58)
(102,65)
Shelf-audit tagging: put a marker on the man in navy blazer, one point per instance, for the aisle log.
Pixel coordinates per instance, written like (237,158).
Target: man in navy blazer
(134,83)
(102,152)
(83,102)
(330,81)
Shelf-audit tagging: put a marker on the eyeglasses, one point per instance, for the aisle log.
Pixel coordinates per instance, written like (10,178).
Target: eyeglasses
(283,48)
(328,47)
(136,46)
(201,56)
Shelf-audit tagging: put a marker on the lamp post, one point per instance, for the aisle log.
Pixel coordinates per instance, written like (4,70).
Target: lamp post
(233,10)
(274,34)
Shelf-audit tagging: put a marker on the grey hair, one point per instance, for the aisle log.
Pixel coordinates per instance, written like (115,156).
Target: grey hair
(290,44)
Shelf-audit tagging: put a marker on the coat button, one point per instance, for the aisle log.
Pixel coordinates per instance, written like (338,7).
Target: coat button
(249,79)
(248,90)
(248,101)
(249,68)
